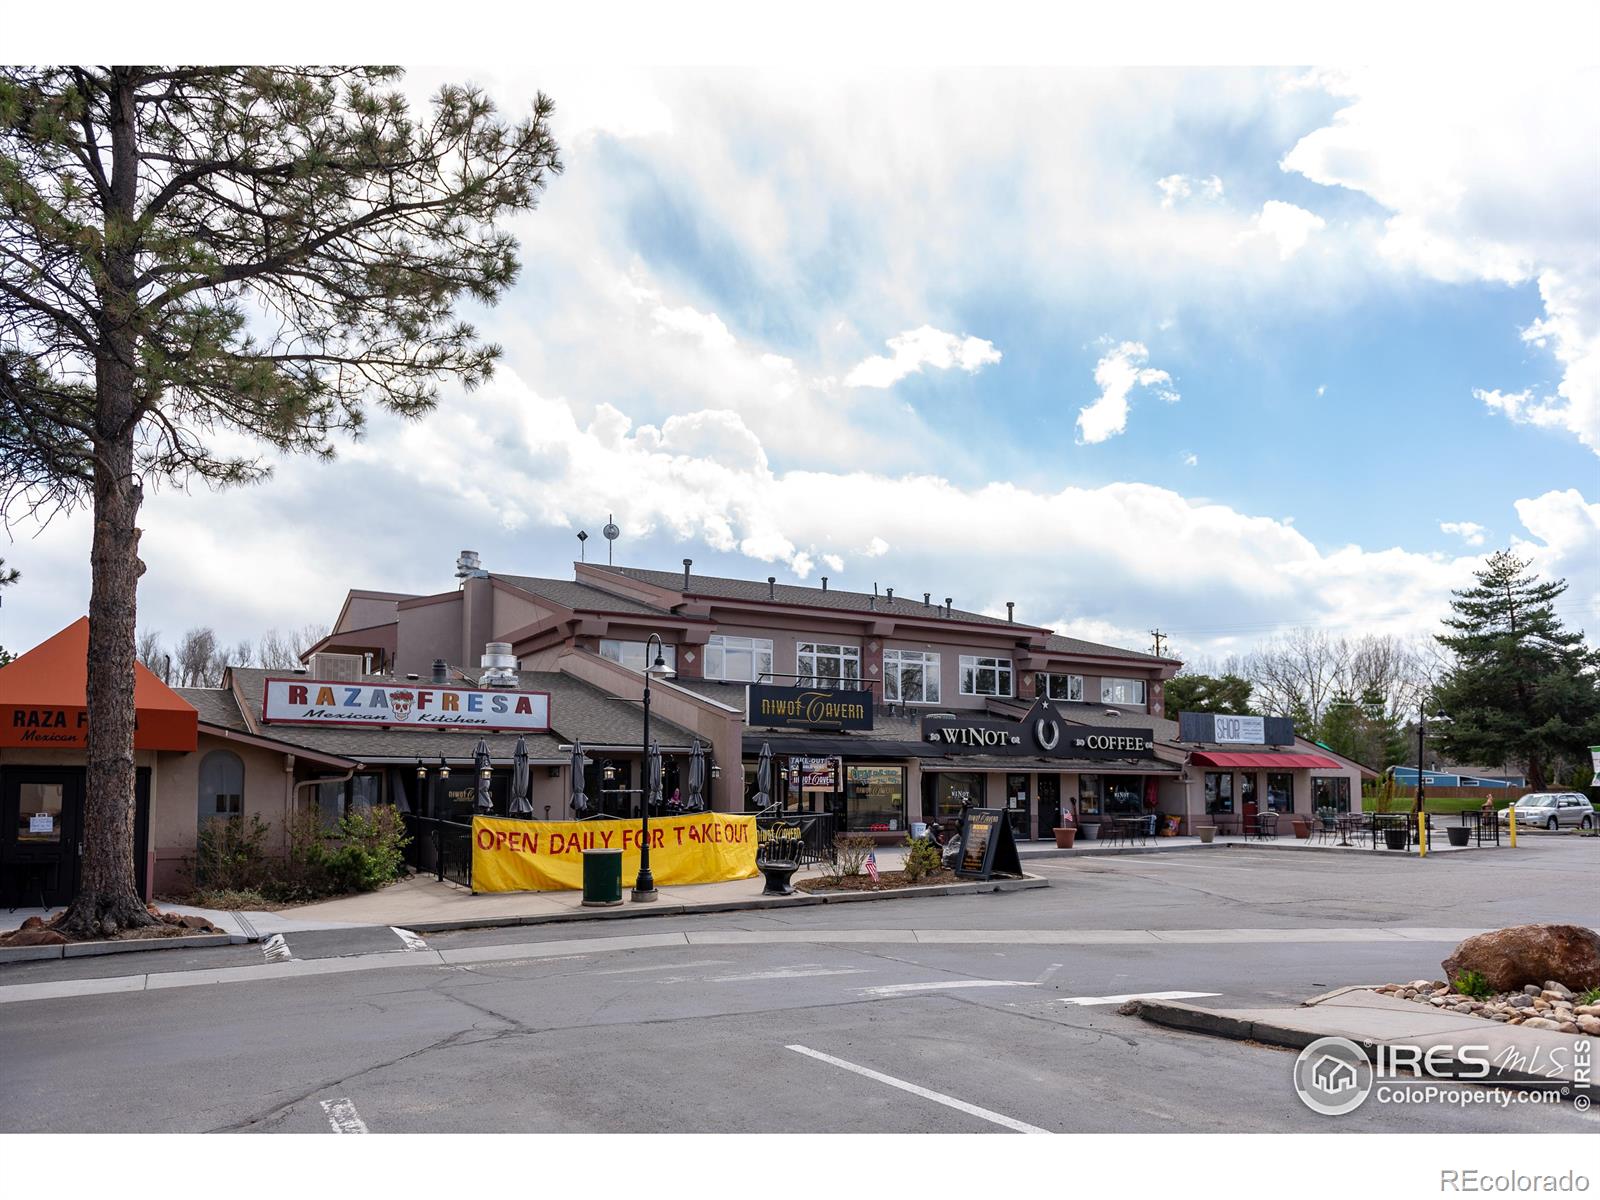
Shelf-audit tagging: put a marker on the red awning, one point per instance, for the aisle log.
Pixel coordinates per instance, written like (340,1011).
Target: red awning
(1265,762)
(42,699)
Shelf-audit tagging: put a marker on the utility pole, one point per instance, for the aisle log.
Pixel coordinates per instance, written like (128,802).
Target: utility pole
(1159,637)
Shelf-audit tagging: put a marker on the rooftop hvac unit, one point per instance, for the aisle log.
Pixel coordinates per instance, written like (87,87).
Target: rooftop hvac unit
(499,666)
(344,668)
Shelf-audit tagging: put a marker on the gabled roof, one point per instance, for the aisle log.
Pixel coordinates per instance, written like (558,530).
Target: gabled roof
(580,596)
(718,587)
(1071,645)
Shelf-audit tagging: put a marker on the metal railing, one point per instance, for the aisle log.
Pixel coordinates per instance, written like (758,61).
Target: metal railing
(440,848)
(814,831)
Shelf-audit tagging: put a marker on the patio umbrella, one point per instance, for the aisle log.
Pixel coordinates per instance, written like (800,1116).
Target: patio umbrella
(580,802)
(652,779)
(520,805)
(480,767)
(697,776)
(763,796)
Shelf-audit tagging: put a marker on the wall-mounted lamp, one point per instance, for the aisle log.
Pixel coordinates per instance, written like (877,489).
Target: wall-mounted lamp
(422,771)
(716,771)
(444,768)
(608,773)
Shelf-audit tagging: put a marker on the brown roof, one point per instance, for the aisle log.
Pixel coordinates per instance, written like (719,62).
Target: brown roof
(580,596)
(1071,645)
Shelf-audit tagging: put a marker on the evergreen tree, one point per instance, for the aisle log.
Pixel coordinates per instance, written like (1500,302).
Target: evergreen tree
(1522,689)
(1226,693)
(192,253)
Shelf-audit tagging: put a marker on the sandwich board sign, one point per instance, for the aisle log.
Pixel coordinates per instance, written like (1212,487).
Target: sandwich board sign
(987,847)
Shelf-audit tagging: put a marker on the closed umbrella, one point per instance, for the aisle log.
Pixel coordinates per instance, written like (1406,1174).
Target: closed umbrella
(520,805)
(480,765)
(580,802)
(652,782)
(697,776)
(763,796)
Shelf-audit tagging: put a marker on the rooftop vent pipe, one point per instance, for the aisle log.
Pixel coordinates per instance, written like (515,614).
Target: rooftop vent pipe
(441,671)
(687,563)
(947,603)
(889,592)
(927,599)
(1010,604)
(824,583)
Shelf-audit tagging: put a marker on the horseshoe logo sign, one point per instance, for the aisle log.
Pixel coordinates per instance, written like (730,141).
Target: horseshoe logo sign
(1047,732)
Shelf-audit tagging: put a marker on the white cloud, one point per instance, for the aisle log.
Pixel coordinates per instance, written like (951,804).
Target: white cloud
(1180,187)
(1469,532)
(1472,195)
(1190,459)
(1322,389)
(918,348)
(1287,225)
(1117,373)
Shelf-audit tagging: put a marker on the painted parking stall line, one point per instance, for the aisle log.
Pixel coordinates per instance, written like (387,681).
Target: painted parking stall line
(902,989)
(917,1090)
(1086,1001)
(342,1116)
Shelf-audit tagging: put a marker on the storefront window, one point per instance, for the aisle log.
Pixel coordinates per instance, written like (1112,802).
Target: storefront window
(985,676)
(1330,791)
(39,812)
(738,659)
(1219,791)
(875,799)
(1088,796)
(1280,791)
(1247,792)
(911,677)
(952,790)
(1059,687)
(631,654)
(1122,691)
(1124,795)
(819,664)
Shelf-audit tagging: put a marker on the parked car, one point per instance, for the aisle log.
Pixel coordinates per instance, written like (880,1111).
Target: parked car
(1553,810)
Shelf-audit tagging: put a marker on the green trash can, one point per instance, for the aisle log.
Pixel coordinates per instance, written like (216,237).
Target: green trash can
(602,878)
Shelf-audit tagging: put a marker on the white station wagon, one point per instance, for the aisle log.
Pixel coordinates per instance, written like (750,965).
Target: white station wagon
(1553,810)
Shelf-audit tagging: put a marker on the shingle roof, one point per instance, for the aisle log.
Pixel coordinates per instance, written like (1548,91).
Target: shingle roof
(570,594)
(1072,645)
(216,707)
(578,710)
(808,597)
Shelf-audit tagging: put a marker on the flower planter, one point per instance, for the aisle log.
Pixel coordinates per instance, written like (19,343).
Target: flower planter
(1065,836)
(1395,839)
(1458,834)
(1207,833)
(1090,831)
(1302,829)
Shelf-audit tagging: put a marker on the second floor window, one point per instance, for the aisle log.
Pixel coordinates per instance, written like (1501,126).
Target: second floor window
(631,654)
(819,664)
(1060,687)
(1122,691)
(985,676)
(738,659)
(910,677)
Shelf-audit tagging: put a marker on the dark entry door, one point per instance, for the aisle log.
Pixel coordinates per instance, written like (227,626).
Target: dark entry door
(1049,804)
(41,815)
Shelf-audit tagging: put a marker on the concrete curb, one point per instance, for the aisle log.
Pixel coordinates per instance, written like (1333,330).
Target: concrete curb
(1193,1019)
(10,954)
(799,900)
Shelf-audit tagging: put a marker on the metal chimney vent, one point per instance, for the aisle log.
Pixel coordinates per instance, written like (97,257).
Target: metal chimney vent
(1009,606)
(927,599)
(687,563)
(772,581)
(499,666)
(441,671)
(824,583)
(468,566)
(947,603)
(889,595)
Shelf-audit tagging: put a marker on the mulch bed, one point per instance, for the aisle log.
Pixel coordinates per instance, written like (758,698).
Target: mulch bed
(35,932)
(887,880)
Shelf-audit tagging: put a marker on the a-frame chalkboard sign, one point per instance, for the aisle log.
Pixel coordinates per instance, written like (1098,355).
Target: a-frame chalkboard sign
(987,847)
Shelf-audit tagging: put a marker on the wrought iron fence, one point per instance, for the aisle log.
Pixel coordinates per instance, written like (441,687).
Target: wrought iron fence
(439,848)
(814,831)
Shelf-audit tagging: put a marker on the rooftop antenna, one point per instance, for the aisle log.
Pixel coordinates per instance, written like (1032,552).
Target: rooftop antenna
(611,533)
(583,549)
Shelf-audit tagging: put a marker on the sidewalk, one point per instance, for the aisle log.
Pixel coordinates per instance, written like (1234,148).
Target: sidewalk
(1370,1019)
(1155,844)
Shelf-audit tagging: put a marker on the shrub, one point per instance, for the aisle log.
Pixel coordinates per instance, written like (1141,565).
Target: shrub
(923,858)
(853,849)
(1473,984)
(230,854)
(1592,996)
(371,849)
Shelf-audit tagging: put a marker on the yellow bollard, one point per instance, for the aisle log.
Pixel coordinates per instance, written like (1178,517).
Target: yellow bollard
(1422,835)
(1511,823)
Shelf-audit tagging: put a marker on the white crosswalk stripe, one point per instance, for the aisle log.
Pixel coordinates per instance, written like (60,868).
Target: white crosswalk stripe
(1085,1001)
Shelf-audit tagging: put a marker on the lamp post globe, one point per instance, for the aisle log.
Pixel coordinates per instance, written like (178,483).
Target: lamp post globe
(644,886)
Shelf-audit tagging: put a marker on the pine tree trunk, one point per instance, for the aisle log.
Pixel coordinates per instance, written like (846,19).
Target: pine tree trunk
(107,899)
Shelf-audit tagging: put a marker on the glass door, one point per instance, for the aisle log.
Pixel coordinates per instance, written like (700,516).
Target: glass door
(41,810)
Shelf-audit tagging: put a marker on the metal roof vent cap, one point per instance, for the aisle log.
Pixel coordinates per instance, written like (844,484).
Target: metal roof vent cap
(772,581)
(441,671)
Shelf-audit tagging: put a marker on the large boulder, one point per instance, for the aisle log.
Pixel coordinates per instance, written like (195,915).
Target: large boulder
(1511,959)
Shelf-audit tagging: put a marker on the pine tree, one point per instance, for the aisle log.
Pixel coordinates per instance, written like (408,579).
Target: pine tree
(192,253)
(1522,689)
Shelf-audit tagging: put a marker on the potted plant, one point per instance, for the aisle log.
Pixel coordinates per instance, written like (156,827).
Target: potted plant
(1302,827)
(1396,836)
(1458,834)
(1207,833)
(1089,827)
(1066,832)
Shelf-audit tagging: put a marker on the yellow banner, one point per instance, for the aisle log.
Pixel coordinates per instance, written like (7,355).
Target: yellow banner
(547,856)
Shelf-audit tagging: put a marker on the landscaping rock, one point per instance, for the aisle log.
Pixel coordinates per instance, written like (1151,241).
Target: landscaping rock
(189,921)
(36,937)
(1540,1023)
(33,923)
(1532,989)
(1589,1025)
(1526,955)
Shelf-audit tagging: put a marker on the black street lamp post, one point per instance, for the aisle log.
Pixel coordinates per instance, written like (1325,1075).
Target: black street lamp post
(1422,738)
(644,887)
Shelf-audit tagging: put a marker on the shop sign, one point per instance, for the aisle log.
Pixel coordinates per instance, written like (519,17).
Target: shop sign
(987,847)
(1041,733)
(807,708)
(1229,729)
(814,774)
(33,726)
(329,702)
(41,823)
(510,855)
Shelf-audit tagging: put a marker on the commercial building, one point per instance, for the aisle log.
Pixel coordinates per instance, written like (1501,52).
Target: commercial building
(883,709)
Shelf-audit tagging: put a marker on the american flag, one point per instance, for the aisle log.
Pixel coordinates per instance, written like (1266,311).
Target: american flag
(872,865)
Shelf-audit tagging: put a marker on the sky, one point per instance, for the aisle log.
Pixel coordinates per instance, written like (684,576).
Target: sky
(1219,351)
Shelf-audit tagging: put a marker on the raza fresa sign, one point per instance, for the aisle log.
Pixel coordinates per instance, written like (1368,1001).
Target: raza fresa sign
(547,856)
(329,702)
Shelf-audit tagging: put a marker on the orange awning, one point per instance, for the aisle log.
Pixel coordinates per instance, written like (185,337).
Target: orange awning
(43,700)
